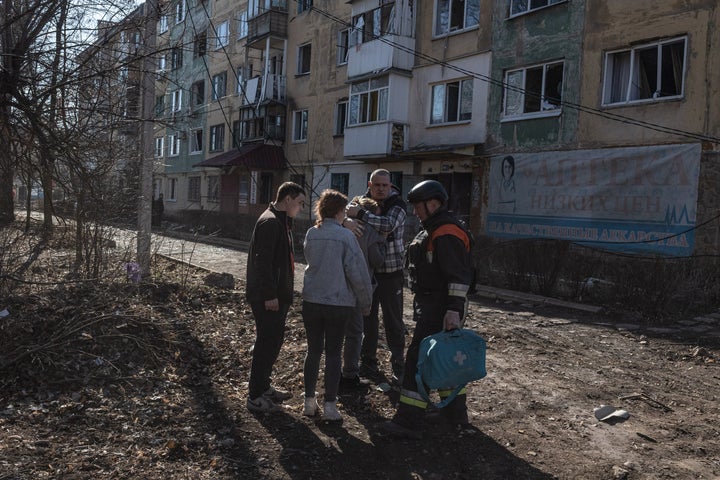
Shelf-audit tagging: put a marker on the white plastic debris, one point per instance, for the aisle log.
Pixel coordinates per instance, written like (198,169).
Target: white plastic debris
(605,413)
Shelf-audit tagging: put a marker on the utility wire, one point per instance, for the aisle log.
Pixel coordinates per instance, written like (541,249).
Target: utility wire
(382,37)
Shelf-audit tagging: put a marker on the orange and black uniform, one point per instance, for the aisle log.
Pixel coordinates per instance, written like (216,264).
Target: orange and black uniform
(440,278)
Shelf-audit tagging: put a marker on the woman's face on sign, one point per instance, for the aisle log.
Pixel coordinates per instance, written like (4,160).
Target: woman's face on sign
(507,169)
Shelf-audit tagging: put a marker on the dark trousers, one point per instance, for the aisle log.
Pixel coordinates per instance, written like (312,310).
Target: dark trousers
(429,318)
(388,295)
(270,333)
(325,331)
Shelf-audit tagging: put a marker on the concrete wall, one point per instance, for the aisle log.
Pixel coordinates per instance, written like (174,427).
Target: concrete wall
(618,24)
(318,91)
(549,34)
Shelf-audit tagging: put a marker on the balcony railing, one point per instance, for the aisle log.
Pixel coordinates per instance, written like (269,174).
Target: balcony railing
(263,89)
(268,23)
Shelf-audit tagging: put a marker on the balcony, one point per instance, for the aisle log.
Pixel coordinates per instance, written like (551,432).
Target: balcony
(381,54)
(374,140)
(264,89)
(270,23)
(267,123)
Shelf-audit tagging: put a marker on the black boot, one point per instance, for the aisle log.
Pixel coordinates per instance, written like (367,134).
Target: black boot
(407,422)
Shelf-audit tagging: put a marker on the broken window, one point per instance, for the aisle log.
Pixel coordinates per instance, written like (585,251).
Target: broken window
(647,72)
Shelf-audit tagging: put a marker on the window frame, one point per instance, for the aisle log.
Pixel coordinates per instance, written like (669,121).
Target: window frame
(172,190)
(196,140)
(174,144)
(223,35)
(161,63)
(219,86)
(194,189)
(343,47)
(176,100)
(213,191)
(461,84)
(179,12)
(300,126)
(163,24)
(341,109)
(243,25)
(304,57)
(528,8)
(340,182)
(217,138)
(547,108)
(368,25)
(198,94)
(176,58)
(159,106)
(449,28)
(373,98)
(304,5)
(200,44)
(635,68)
(159,147)
(240,80)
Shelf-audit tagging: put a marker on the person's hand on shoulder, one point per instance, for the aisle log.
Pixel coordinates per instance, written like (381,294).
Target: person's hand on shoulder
(352,210)
(354,226)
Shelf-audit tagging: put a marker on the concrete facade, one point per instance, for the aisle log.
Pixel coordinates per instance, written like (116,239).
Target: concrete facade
(427,91)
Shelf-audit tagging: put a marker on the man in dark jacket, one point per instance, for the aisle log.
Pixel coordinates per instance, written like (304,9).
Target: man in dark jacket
(440,268)
(269,290)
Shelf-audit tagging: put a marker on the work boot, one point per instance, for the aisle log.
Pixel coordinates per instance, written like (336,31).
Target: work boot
(396,430)
(455,413)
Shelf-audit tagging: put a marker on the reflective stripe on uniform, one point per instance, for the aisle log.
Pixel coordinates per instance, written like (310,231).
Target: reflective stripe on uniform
(408,397)
(458,289)
(446,393)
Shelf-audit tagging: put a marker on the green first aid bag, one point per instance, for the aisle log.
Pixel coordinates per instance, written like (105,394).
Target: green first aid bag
(450,360)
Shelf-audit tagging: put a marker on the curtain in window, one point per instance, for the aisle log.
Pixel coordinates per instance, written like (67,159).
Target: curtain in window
(438,104)
(518,6)
(472,13)
(442,17)
(466,100)
(513,93)
(676,54)
(620,80)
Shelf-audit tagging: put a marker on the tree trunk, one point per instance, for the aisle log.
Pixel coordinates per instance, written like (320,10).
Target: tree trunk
(147,148)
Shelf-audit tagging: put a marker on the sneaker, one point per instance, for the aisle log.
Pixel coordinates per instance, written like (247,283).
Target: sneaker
(276,395)
(330,413)
(262,404)
(311,407)
(396,430)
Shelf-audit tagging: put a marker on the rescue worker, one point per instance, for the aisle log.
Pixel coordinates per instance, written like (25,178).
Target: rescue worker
(440,270)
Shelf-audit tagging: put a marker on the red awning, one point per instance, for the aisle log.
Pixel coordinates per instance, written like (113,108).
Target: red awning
(254,155)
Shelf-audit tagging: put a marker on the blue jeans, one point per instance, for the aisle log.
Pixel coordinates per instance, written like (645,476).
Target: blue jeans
(325,331)
(270,333)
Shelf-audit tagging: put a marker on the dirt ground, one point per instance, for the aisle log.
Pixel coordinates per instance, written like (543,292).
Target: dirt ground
(149,381)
